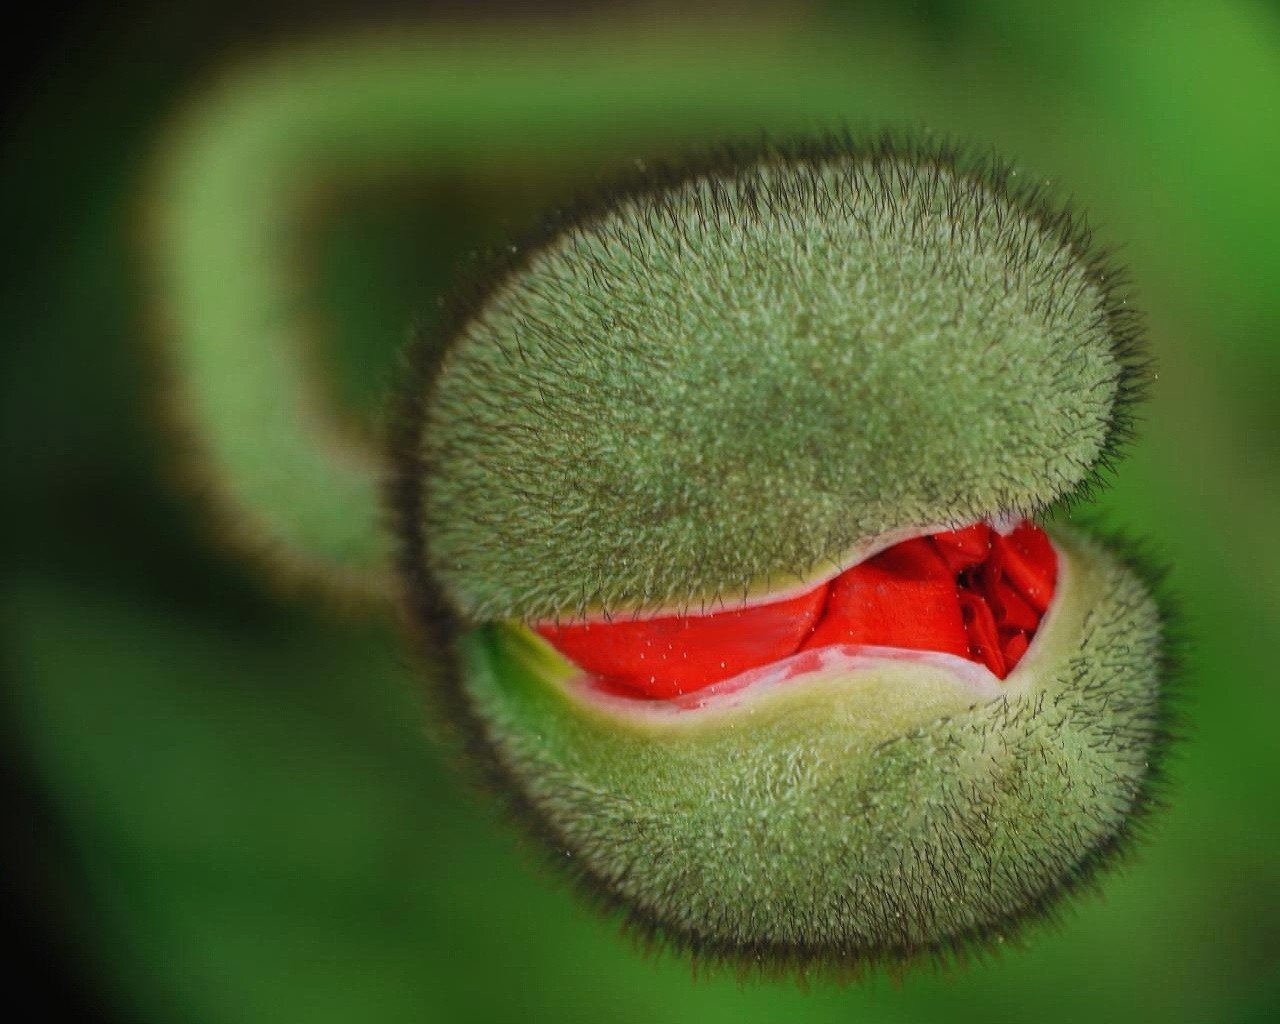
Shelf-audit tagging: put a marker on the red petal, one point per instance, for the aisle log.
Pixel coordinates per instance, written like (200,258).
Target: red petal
(983,637)
(672,655)
(1013,648)
(963,549)
(1008,606)
(970,592)
(914,559)
(869,605)
(1029,563)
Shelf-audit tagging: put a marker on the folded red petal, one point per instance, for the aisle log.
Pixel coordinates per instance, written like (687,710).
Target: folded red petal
(984,638)
(677,654)
(1029,563)
(1008,605)
(915,559)
(1013,645)
(965,548)
(975,593)
(870,604)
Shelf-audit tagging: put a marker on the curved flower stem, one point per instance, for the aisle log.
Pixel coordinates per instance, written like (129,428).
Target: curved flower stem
(289,481)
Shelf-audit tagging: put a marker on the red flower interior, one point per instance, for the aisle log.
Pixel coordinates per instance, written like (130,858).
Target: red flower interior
(974,592)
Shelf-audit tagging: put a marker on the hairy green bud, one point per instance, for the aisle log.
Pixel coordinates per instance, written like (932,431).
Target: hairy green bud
(723,385)
(731,378)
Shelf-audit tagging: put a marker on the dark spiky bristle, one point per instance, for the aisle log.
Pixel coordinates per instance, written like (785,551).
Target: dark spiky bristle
(724,376)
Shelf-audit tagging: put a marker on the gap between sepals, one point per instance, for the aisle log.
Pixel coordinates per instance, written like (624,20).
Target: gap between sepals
(978,592)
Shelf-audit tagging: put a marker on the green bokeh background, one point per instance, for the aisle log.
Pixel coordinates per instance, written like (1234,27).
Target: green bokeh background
(243,819)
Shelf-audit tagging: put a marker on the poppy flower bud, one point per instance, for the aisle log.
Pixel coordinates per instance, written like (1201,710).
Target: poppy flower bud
(718,503)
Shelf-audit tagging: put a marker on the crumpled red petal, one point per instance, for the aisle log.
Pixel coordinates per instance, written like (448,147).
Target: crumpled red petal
(974,592)
(674,655)
(870,604)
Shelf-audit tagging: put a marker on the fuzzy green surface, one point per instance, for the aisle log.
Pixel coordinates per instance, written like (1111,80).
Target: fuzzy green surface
(731,381)
(237,175)
(242,164)
(867,818)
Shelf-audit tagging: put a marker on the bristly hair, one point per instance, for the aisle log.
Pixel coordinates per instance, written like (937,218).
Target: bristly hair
(436,626)
(487,270)
(434,631)
(989,185)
